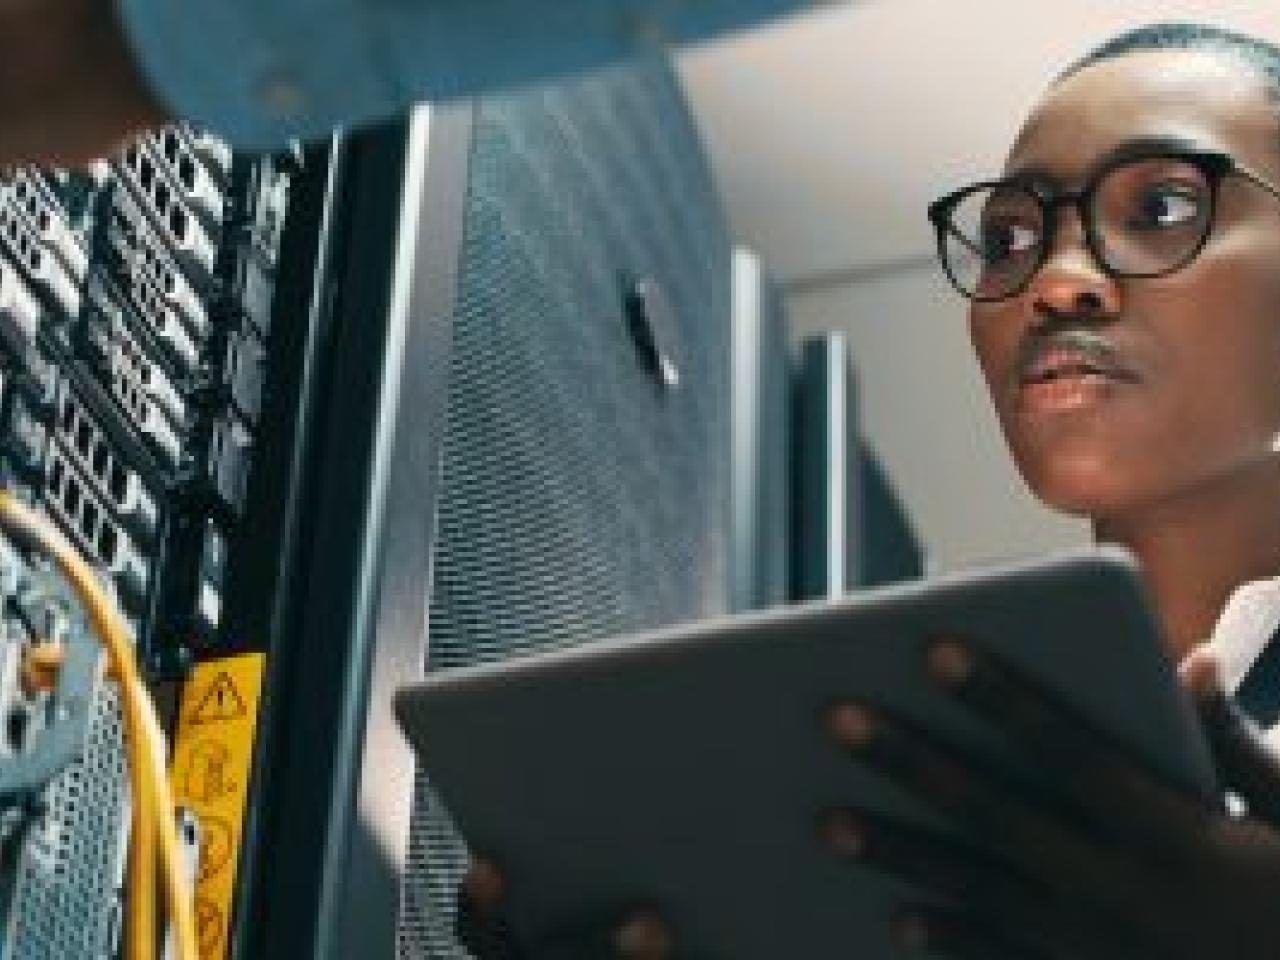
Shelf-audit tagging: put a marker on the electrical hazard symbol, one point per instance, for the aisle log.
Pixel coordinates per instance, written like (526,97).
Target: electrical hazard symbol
(212,760)
(221,703)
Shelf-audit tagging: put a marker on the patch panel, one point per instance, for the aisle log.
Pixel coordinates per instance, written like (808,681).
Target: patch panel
(153,428)
(21,716)
(86,443)
(192,605)
(91,524)
(116,356)
(135,303)
(252,287)
(117,372)
(202,194)
(44,214)
(213,574)
(44,270)
(179,227)
(24,439)
(152,312)
(19,309)
(99,172)
(242,372)
(36,377)
(224,462)
(21,711)
(73,193)
(264,211)
(159,320)
(13,637)
(214,151)
(134,245)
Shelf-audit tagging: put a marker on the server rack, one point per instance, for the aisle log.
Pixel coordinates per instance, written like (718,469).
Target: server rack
(585,458)
(761,448)
(219,373)
(135,312)
(243,364)
(850,530)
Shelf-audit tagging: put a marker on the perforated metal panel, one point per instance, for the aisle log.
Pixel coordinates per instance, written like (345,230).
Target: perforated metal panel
(581,497)
(72,863)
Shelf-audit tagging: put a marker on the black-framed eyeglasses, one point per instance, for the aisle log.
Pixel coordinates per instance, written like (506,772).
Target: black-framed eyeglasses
(1145,216)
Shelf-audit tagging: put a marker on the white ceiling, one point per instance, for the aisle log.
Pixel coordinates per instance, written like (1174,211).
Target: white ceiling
(831,132)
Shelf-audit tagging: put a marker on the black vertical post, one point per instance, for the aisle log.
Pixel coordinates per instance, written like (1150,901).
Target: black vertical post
(333,779)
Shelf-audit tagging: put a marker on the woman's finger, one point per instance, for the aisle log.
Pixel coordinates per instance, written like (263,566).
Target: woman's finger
(1122,801)
(935,931)
(480,926)
(931,861)
(1038,840)
(990,895)
(641,933)
(483,884)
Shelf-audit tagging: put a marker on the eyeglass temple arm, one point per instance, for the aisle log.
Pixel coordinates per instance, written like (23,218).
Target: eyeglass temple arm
(1258,180)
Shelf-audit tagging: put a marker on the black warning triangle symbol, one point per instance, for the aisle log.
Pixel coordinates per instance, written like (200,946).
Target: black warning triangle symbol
(221,702)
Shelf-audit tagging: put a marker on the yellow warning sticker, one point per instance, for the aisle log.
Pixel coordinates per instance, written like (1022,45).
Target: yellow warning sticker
(212,756)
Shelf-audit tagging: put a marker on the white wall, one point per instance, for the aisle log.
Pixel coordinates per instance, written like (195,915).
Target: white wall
(924,408)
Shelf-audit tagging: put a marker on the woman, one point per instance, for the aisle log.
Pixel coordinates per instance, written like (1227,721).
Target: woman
(1124,274)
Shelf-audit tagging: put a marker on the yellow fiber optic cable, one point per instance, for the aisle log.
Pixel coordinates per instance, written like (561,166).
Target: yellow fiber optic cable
(152,801)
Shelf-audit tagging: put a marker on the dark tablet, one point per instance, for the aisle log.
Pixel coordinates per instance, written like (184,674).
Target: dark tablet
(687,767)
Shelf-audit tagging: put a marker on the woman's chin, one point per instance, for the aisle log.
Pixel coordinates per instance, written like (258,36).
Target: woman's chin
(1081,490)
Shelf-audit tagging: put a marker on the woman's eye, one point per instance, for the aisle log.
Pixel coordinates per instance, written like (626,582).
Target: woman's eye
(1004,240)
(1166,206)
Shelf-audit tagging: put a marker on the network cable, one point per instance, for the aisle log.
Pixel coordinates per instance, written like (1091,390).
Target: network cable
(153,827)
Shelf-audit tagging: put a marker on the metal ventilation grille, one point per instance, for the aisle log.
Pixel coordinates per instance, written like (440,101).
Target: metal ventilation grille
(581,497)
(75,858)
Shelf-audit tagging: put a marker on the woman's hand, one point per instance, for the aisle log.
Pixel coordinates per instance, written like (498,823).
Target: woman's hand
(1096,859)
(640,935)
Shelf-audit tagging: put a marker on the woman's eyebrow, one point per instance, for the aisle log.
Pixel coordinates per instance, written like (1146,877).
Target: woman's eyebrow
(1147,145)
(1144,145)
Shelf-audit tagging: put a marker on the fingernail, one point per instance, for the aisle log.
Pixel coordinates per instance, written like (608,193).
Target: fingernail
(642,935)
(841,833)
(851,725)
(950,661)
(483,884)
(911,932)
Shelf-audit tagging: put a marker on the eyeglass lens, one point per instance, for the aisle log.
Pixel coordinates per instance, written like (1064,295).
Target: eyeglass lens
(1147,217)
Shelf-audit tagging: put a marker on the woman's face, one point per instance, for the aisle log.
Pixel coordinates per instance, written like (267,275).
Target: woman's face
(1199,399)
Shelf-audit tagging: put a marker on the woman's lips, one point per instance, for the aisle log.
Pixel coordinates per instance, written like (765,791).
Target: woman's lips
(1057,363)
(1083,371)
(1072,389)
